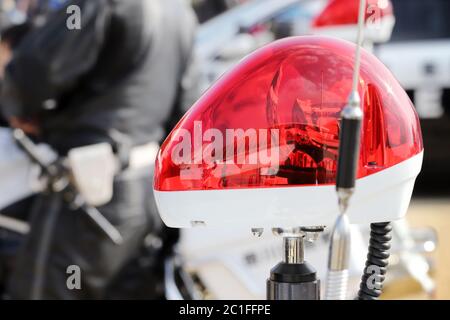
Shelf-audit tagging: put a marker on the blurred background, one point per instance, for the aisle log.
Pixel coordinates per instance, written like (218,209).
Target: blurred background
(413,41)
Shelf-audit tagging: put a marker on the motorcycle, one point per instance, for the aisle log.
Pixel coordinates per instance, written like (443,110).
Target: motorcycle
(29,169)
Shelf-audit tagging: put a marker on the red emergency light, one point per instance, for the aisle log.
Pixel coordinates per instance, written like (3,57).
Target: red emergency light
(342,12)
(260,147)
(339,18)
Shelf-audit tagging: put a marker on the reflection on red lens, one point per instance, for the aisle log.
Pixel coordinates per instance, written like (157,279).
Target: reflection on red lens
(274,121)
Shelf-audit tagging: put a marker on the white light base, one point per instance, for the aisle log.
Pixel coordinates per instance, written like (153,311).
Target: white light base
(381,197)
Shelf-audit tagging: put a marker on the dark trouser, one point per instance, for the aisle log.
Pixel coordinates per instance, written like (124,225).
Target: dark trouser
(77,241)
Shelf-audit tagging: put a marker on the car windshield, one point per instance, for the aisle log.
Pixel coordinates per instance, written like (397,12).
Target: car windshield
(421,19)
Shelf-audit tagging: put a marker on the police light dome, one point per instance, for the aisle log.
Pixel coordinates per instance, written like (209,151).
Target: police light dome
(339,18)
(259,149)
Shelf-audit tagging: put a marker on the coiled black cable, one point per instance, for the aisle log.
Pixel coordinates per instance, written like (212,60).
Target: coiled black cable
(377,261)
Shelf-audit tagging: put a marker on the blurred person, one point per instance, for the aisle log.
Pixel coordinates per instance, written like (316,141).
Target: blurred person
(117,80)
(40,10)
(11,34)
(12,30)
(5,56)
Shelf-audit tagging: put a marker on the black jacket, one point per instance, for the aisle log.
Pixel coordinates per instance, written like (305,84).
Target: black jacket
(117,79)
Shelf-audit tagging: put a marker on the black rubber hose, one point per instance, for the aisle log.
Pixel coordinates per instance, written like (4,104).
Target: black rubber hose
(377,261)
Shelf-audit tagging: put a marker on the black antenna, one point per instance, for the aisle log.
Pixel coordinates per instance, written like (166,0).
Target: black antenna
(350,137)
